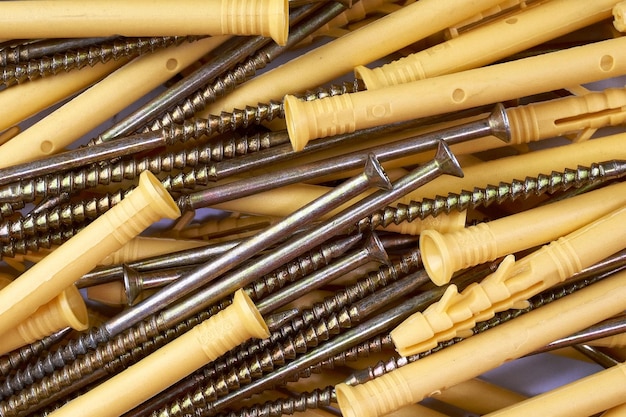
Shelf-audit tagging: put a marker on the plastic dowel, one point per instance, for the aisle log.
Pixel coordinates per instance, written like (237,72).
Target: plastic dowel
(100,18)
(444,254)
(339,57)
(488,43)
(453,92)
(66,310)
(512,284)
(485,351)
(102,101)
(145,205)
(187,353)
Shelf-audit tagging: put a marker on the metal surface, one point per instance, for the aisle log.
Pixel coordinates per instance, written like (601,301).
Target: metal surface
(495,124)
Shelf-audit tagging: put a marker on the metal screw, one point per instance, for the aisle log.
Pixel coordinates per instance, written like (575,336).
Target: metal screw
(39,49)
(372,250)
(115,49)
(83,156)
(444,162)
(495,124)
(504,191)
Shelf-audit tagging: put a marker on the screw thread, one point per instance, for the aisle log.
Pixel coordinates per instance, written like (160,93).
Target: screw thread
(10,249)
(103,174)
(12,360)
(81,57)
(530,186)
(220,87)
(292,271)
(317,398)
(145,338)
(251,369)
(54,360)
(320,310)
(314,326)
(128,169)
(74,362)
(263,112)
(9,209)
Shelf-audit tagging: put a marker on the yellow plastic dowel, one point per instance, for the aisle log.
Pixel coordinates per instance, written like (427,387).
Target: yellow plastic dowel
(485,351)
(19,102)
(338,57)
(102,101)
(444,254)
(452,92)
(66,310)
(511,285)
(488,43)
(581,398)
(145,205)
(200,345)
(96,18)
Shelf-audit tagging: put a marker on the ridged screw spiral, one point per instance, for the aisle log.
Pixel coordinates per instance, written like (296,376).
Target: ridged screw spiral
(82,357)
(504,191)
(79,58)
(286,406)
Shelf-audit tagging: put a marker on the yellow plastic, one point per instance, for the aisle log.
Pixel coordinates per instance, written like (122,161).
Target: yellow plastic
(577,117)
(479,397)
(102,101)
(339,57)
(95,18)
(619,16)
(111,293)
(19,102)
(504,37)
(452,92)
(581,398)
(618,411)
(520,166)
(142,247)
(202,344)
(485,351)
(146,204)
(9,134)
(506,5)
(444,254)
(511,285)
(66,310)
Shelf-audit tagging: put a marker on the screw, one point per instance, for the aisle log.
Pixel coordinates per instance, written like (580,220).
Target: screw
(375,325)
(444,162)
(83,156)
(495,124)
(228,55)
(131,346)
(115,49)
(372,250)
(530,186)
(260,361)
(29,51)
(372,175)
(341,299)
